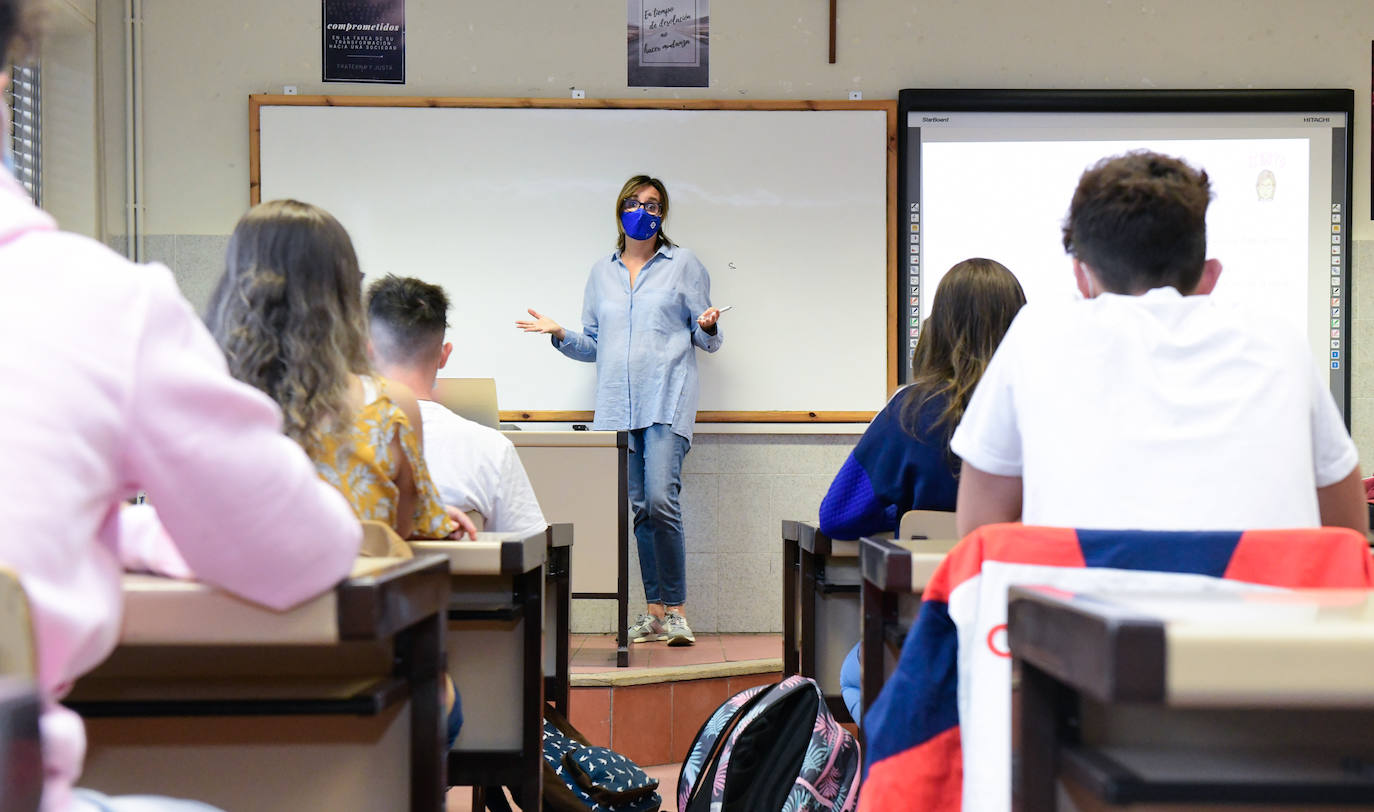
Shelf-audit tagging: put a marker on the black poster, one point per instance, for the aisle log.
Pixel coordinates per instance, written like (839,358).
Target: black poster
(365,41)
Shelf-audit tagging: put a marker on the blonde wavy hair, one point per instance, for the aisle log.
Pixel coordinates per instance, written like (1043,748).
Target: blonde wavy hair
(288,314)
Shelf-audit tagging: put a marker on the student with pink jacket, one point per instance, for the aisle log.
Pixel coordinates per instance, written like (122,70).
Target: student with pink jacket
(112,385)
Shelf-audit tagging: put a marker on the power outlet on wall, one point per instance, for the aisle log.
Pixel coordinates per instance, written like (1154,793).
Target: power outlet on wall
(856,95)
(579,94)
(289,90)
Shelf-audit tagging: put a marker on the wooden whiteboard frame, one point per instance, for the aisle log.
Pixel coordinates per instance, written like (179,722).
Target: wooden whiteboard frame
(259,100)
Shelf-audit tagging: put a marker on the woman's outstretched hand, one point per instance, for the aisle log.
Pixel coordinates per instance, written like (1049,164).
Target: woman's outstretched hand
(541,324)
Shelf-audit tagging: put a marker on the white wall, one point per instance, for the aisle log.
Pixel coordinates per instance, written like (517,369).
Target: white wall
(70,128)
(204,57)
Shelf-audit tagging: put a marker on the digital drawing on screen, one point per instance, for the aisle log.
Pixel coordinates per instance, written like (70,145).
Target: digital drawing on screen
(364,41)
(668,43)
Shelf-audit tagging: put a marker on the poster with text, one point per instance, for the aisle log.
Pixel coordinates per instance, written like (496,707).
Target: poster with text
(365,41)
(668,43)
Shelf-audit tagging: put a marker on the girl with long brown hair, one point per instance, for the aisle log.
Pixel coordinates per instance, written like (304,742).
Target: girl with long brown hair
(903,461)
(288,314)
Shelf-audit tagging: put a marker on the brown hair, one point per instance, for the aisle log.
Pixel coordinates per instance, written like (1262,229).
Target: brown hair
(973,307)
(288,314)
(407,318)
(629,190)
(1139,220)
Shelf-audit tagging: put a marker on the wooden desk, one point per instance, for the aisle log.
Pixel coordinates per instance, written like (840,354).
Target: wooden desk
(579,478)
(333,704)
(820,607)
(1202,699)
(495,645)
(895,573)
(558,615)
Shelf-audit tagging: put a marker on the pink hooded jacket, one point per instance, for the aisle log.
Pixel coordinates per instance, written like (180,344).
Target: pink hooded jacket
(109,384)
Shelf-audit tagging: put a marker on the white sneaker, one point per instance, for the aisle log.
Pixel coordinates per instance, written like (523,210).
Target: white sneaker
(678,632)
(647,629)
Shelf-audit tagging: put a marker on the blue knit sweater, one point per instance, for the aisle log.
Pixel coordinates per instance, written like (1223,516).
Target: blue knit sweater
(890,472)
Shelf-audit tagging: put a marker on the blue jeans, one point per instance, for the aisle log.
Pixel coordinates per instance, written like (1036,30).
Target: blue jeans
(655,480)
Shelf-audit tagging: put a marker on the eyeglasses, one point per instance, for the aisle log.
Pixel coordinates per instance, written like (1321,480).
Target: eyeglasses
(653,206)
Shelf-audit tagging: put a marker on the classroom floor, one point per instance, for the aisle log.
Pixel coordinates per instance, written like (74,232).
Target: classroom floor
(593,655)
(460,798)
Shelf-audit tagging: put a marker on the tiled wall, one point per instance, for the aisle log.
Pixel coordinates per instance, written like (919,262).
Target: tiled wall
(196,260)
(737,488)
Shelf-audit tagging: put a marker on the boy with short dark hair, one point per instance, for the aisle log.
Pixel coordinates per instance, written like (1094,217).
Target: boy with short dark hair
(475,467)
(1150,406)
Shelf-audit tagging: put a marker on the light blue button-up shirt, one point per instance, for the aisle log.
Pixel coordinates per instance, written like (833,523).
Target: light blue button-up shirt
(642,340)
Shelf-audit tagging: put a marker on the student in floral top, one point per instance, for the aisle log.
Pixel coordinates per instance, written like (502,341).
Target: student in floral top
(288,315)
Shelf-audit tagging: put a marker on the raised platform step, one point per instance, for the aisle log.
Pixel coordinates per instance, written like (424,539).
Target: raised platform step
(652,710)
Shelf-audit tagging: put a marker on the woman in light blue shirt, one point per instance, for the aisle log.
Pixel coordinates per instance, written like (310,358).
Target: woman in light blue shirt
(646,309)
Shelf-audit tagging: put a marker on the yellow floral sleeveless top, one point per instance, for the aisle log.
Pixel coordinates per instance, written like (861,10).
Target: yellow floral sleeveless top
(359,463)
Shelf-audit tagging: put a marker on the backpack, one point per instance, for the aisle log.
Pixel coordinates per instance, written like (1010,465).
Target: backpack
(579,777)
(771,747)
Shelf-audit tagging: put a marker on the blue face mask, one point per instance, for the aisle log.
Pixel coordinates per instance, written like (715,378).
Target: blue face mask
(639,224)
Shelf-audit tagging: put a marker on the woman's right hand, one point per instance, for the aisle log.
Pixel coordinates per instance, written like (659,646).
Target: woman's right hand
(541,324)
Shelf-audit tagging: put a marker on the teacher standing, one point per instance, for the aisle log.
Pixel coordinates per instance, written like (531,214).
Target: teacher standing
(646,307)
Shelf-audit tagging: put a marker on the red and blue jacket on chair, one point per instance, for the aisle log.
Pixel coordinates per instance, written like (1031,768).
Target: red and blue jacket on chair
(938,736)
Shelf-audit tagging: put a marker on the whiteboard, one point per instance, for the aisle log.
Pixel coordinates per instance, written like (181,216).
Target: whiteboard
(508,208)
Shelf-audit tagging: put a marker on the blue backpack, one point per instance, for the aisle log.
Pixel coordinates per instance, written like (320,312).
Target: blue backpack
(580,777)
(771,748)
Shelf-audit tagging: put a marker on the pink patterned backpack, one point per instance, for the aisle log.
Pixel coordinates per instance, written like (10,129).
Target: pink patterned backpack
(772,748)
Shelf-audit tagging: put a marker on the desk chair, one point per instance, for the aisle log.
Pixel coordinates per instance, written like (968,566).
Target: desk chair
(922,525)
(21,752)
(17,657)
(951,691)
(380,541)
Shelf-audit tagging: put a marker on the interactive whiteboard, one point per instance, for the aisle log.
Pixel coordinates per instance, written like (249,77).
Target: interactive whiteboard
(991,173)
(508,203)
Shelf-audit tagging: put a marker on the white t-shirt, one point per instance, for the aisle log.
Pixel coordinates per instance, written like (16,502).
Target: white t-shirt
(477,468)
(1156,412)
